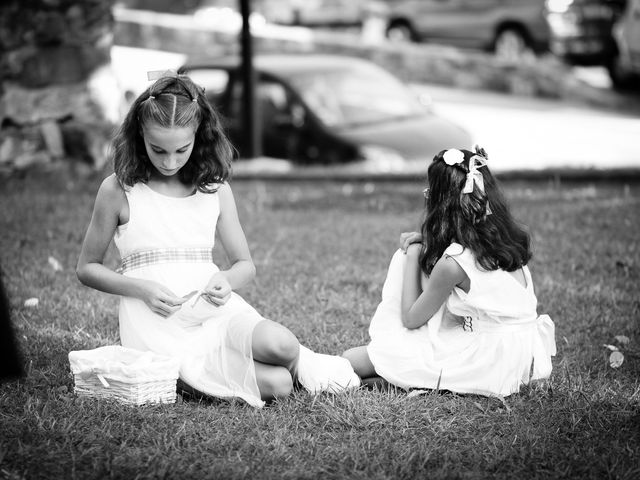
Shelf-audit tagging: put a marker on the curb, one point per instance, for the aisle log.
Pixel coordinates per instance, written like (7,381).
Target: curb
(622,175)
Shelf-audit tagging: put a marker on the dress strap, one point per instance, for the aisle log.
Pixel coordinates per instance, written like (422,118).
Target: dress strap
(166,255)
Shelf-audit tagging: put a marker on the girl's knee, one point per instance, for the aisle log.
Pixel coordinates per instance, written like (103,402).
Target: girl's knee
(277,384)
(283,350)
(287,346)
(276,344)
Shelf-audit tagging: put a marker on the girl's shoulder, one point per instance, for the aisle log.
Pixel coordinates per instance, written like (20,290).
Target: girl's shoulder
(456,250)
(224,191)
(111,189)
(461,255)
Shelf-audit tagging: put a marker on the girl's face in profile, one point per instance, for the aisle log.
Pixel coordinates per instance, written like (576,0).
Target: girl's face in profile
(168,148)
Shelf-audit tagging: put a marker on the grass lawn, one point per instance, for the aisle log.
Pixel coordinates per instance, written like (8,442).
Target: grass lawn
(321,249)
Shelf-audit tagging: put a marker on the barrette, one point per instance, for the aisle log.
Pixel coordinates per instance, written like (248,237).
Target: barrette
(156,74)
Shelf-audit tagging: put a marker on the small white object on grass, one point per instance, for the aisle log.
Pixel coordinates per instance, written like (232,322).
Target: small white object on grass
(615,359)
(31,302)
(415,393)
(55,264)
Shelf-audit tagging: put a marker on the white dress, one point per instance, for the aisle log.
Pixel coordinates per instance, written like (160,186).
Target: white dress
(481,342)
(170,240)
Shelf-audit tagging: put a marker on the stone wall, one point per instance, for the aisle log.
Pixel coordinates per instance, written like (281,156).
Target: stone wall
(54,67)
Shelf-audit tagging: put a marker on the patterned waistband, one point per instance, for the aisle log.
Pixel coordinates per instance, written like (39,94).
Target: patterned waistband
(165,255)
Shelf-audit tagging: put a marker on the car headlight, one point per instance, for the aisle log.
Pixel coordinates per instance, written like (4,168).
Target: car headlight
(382,159)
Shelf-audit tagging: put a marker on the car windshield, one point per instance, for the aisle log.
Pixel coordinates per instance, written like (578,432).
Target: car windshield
(349,97)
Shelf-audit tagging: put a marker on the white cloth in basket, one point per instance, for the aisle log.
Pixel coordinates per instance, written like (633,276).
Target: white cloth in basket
(123,364)
(124,374)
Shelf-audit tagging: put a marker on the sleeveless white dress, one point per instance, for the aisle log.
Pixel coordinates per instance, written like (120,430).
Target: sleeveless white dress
(489,341)
(170,240)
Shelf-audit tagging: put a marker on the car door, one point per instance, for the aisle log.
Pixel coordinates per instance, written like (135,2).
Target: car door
(328,12)
(284,123)
(282,119)
(464,23)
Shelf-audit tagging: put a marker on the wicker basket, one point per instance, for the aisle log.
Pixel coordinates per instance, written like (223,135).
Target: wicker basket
(124,374)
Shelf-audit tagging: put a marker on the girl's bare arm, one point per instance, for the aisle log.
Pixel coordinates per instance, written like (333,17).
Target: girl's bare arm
(230,232)
(419,306)
(110,202)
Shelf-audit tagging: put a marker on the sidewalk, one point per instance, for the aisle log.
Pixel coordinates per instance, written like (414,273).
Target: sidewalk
(265,168)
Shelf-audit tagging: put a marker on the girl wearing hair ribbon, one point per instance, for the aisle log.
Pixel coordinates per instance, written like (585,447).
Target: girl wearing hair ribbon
(163,206)
(458,309)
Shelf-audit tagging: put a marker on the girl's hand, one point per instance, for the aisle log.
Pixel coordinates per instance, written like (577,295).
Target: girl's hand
(414,250)
(409,238)
(160,299)
(218,290)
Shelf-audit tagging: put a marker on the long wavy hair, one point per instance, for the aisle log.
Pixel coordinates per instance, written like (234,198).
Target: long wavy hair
(174,101)
(479,221)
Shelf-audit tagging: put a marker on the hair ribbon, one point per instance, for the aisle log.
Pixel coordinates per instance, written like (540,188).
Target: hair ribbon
(475,176)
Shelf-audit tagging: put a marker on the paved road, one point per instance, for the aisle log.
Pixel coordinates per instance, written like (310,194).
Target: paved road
(520,133)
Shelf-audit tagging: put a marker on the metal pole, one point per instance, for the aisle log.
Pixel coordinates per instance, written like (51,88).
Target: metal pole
(249,109)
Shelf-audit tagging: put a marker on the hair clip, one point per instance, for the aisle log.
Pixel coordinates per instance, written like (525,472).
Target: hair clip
(157,74)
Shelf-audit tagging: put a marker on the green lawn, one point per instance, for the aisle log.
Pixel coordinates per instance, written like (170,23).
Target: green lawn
(321,250)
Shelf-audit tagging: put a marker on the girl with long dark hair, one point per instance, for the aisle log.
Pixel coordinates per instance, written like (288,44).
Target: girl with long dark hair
(458,309)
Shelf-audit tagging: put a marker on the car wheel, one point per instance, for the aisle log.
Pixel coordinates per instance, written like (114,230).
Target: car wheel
(400,31)
(512,45)
(621,78)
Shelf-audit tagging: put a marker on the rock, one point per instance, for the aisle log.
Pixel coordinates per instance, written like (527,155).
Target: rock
(52,138)
(86,142)
(24,106)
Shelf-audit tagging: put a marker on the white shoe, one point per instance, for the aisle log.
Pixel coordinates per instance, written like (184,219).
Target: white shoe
(317,372)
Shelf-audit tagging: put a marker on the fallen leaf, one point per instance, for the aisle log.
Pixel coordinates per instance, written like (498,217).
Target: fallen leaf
(616,359)
(613,348)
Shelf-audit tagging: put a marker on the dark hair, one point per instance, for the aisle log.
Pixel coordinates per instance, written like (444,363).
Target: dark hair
(479,221)
(174,101)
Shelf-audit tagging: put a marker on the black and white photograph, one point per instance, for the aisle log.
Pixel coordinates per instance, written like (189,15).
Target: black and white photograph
(319,239)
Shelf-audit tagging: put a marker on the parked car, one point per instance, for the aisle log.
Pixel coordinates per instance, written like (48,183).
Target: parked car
(582,33)
(624,67)
(326,109)
(510,28)
(331,13)
(581,29)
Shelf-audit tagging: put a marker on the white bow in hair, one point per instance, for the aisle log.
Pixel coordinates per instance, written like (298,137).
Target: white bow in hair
(475,175)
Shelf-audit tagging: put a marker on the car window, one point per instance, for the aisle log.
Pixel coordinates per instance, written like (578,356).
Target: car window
(214,81)
(356,96)
(272,101)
